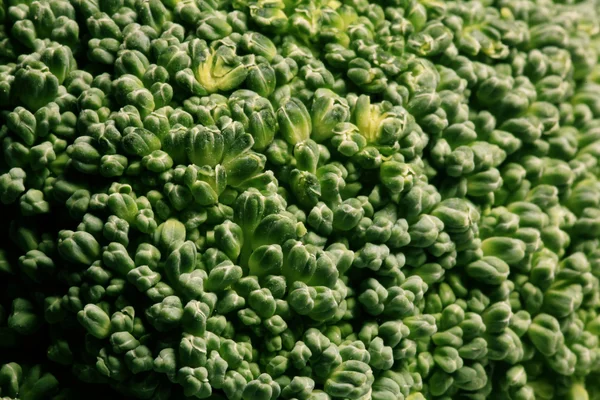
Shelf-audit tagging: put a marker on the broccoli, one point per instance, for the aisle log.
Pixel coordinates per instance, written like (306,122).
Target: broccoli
(300,199)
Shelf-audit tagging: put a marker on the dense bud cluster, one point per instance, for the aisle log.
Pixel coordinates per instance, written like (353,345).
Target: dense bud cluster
(300,199)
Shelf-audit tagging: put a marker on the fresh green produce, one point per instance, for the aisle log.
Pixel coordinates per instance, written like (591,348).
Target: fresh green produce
(300,199)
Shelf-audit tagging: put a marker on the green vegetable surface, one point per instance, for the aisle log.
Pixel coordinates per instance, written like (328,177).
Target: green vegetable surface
(300,199)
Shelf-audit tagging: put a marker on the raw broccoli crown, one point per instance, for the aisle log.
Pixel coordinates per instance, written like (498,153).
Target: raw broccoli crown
(300,199)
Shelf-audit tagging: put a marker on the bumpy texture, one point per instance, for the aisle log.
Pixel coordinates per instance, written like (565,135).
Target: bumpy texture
(300,199)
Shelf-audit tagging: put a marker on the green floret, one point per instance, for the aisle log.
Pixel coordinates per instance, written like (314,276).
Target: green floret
(299,199)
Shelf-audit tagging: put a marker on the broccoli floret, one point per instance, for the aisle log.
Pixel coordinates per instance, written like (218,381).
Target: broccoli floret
(303,199)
